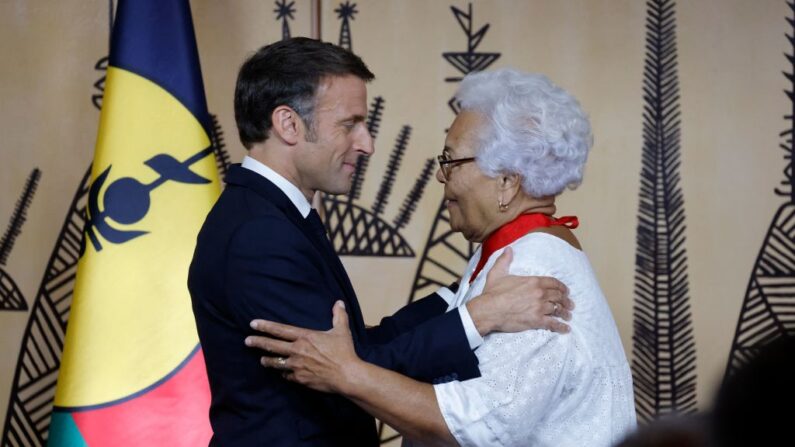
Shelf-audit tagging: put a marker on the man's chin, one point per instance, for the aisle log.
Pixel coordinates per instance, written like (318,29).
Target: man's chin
(338,189)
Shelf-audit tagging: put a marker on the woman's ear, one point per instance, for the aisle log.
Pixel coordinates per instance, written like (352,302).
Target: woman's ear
(286,124)
(508,186)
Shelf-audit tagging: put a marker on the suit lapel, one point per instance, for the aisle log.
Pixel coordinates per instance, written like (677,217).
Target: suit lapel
(341,275)
(345,283)
(241,176)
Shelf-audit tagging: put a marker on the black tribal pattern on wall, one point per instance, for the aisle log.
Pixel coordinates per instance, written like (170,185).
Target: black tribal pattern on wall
(345,13)
(11,298)
(33,389)
(222,158)
(664,352)
(356,230)
(102,65)
(768,310)
(446,254)
(284,11)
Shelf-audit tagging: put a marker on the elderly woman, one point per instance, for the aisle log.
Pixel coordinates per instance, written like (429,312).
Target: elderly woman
(518,142)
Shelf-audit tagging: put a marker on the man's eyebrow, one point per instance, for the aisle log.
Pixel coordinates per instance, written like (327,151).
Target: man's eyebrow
(354,118)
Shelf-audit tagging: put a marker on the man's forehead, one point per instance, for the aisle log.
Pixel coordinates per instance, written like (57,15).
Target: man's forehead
(336,91)
(348,83)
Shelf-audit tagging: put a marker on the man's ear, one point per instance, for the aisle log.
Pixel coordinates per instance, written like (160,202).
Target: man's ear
(287,124)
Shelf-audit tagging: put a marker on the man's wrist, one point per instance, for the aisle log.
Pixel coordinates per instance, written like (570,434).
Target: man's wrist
(479,316)
(470,330)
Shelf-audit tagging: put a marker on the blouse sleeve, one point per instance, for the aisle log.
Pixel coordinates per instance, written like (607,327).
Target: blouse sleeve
(522,374)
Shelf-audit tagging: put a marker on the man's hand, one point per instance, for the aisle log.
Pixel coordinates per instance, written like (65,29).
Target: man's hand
(518,303)
(317,359)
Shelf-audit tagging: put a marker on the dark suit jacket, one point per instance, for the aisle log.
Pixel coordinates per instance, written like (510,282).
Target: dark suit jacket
(256,257)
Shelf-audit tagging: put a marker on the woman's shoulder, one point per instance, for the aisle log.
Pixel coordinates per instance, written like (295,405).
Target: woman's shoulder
(546,248)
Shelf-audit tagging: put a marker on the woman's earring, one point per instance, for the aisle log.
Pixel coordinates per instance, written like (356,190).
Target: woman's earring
(503,206)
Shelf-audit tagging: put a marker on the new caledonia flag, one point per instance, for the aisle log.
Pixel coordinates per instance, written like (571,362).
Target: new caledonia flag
(132,371)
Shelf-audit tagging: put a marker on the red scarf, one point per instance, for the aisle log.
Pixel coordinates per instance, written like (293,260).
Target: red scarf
(515,229)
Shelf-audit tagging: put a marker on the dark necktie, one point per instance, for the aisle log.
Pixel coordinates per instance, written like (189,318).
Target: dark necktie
(318,228)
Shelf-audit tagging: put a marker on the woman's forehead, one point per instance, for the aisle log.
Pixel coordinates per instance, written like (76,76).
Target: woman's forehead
(462,135)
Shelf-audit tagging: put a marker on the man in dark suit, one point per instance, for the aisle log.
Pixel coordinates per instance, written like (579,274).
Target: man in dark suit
(300,107)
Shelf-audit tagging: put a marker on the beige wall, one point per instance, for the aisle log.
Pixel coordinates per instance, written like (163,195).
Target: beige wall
(730,63)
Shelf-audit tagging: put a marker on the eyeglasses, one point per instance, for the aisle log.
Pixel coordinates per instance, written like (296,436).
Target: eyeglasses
(446,163)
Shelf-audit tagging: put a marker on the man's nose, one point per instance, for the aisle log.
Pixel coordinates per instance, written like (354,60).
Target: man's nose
(364,143)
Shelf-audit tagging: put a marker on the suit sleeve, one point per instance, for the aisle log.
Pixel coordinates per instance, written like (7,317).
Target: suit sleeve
(407,318)
(273,273)
(433,351)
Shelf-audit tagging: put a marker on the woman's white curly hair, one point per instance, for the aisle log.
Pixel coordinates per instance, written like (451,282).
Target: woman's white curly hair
(533,128)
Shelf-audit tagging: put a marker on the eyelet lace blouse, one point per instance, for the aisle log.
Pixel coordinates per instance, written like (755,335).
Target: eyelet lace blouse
(540,388)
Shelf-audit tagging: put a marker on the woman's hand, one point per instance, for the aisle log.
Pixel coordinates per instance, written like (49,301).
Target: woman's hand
(317,359)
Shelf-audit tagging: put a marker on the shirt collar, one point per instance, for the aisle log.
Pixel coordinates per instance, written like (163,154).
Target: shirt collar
(291,191)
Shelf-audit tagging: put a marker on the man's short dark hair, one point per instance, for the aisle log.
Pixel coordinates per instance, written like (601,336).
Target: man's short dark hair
(288,73)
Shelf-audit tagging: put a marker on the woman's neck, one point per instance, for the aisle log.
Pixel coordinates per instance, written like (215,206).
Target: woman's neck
(522,204)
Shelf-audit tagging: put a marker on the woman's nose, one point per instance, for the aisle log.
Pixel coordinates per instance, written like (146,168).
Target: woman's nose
(440,175)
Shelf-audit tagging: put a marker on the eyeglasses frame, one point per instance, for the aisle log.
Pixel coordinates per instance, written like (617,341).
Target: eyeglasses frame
(445,164)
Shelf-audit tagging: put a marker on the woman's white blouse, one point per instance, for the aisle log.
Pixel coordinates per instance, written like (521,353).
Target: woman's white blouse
(540,388)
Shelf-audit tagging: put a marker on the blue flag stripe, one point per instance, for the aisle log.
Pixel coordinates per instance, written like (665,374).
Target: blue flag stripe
(154,39)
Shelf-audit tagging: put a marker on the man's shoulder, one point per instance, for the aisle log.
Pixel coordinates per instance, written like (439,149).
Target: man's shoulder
(236,206)
(241,216)
(244,201)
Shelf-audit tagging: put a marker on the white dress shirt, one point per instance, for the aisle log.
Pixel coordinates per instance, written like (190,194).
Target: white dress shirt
(302,204)
(291,191)
(540,388)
